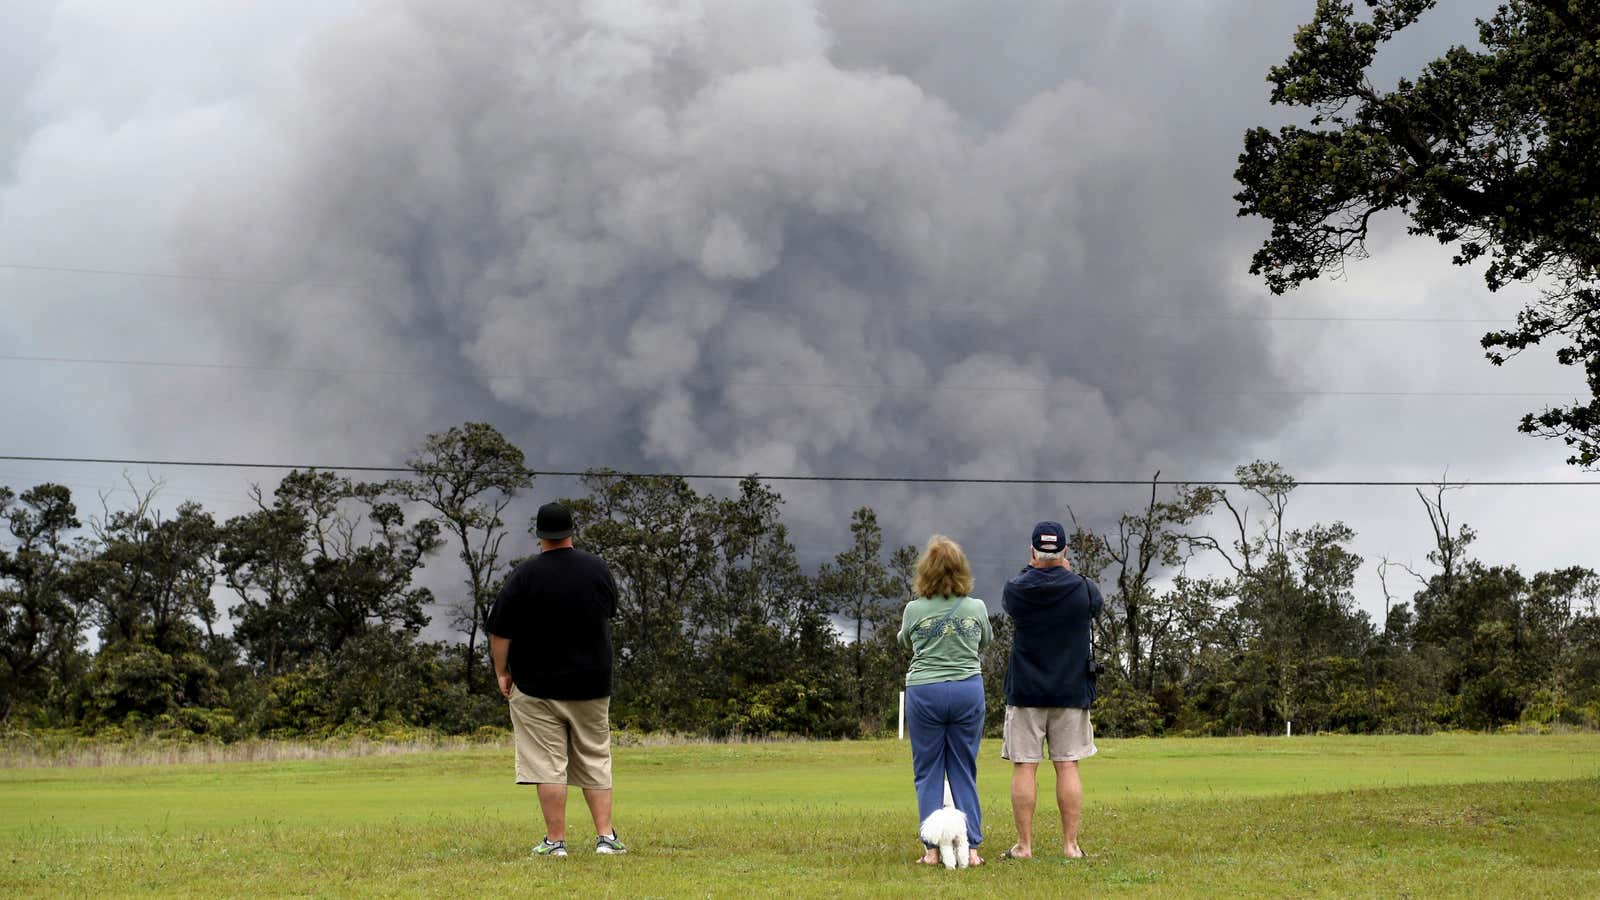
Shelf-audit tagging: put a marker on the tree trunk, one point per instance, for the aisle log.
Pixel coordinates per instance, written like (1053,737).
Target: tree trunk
(472,653)
(1135,657)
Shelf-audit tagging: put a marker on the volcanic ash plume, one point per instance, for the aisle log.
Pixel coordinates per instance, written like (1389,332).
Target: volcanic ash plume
(684,235)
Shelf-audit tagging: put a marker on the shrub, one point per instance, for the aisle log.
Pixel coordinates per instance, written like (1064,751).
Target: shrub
(1125,711)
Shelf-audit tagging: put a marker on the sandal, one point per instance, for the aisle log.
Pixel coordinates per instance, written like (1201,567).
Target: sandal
(1014,853)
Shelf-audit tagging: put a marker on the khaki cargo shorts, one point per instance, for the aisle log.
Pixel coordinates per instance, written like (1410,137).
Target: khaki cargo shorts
(562,741)
(1068,731)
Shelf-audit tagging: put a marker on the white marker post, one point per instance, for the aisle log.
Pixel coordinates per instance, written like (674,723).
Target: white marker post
(1288,729)
(902,715)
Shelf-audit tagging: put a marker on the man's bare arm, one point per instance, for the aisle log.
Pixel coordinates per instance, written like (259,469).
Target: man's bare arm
(500,649)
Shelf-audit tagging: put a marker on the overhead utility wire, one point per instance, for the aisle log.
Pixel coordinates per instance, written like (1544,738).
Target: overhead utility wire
(879,479)
(1079,309)
(816,385)
(179,276)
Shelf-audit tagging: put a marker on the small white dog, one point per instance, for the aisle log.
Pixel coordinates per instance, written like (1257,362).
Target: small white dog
(946,828)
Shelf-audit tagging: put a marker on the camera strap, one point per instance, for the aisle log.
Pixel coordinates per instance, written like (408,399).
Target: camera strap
(949,614)
(934,633)
(1091,638)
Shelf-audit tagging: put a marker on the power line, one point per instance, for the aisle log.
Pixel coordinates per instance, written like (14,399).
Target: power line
(1079,310)
(114,489)
(858,479)
(246,367)
(807,385)
(1398,320)
(179,276)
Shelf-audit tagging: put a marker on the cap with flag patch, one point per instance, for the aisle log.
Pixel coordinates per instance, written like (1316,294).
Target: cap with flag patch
(1049,537)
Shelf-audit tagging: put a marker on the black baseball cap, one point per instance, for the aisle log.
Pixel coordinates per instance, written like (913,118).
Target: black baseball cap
(1049,537)
(553,523)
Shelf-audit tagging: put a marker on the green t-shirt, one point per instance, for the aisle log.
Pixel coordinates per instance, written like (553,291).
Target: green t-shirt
(944,649)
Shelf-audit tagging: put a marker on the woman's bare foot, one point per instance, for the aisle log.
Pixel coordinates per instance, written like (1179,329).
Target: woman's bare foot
(930,858)
(973,859)
(1072,850)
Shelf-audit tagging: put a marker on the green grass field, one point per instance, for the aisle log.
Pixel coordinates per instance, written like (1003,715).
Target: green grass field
(1421,816)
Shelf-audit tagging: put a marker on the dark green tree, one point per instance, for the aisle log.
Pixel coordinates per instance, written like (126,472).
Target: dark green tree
(887,660)
(324,562)
(755,580)
(468,475)
(1491,151)
(151,577)
(1136,616)
(902,571)
(659,537)
(1193,654)
(995,660)
(1478,626)
(154,572)
(858,585)
(41,624)
(1497,641)
(1293,588)
(264,561)
(764,639)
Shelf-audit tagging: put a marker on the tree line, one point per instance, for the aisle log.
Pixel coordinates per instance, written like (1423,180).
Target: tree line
(1223,616)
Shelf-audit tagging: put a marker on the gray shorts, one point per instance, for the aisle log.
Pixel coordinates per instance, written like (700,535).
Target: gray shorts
(1068,731)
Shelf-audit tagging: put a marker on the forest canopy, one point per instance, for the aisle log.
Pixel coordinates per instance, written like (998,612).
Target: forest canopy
(303,617)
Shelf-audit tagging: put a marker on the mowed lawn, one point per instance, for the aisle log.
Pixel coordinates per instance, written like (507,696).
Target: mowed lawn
(1425,816)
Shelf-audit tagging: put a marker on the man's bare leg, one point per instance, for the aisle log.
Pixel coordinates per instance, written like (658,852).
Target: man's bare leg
(1024,796)
(599,800)
(1069,797)
(553,803)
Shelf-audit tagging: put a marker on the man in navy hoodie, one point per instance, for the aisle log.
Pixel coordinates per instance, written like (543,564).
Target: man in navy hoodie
(1049,684)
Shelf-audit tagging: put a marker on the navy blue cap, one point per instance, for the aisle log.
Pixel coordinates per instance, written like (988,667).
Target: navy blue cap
(1049,537)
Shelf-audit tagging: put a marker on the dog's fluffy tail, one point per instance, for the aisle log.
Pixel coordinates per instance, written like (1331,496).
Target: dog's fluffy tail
(946,829)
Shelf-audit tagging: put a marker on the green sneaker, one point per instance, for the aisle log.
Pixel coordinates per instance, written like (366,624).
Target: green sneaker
(609,844)
(548,847)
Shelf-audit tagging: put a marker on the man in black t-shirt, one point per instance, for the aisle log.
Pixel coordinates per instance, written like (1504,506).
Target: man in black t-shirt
(550,635)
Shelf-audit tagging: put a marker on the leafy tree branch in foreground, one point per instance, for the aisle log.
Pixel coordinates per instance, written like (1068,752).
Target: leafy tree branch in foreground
(1490,151)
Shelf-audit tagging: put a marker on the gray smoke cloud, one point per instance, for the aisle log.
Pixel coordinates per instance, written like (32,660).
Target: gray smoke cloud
(784,236)
(776,237)
(735,237)
(779,237)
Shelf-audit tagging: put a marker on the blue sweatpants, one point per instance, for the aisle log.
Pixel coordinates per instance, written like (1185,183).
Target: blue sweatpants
(946,723)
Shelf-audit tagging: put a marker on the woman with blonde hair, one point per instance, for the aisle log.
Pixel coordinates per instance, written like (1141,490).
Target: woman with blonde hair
(946,630)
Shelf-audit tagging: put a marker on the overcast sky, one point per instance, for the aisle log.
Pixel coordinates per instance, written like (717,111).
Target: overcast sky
(921,237)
